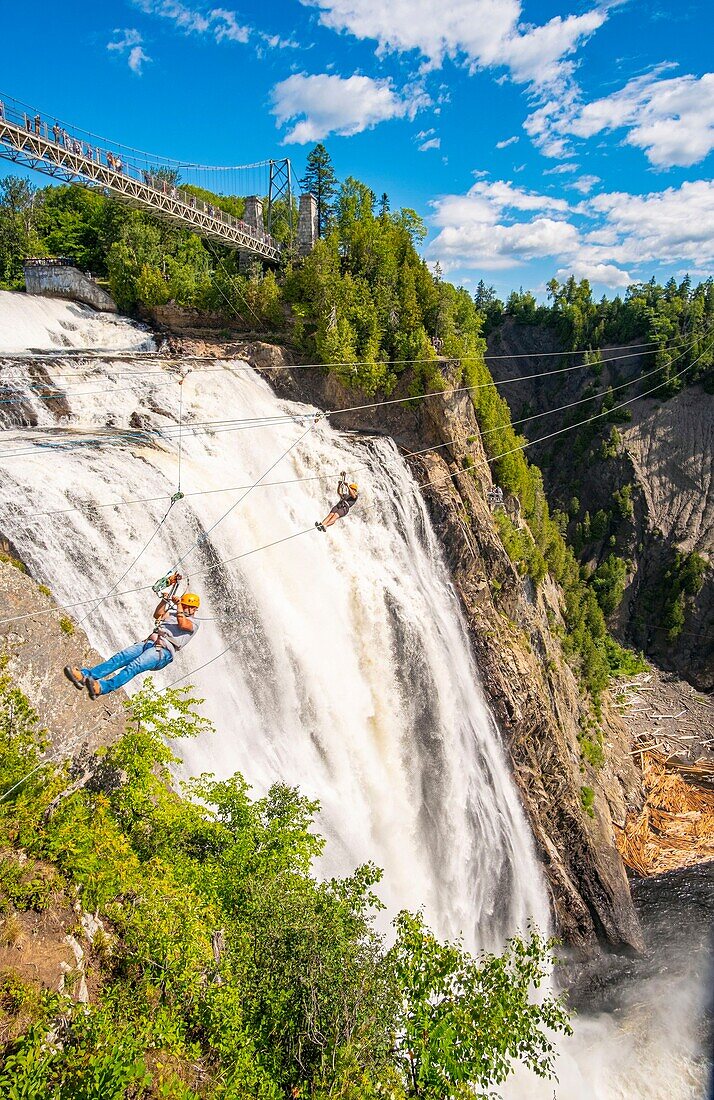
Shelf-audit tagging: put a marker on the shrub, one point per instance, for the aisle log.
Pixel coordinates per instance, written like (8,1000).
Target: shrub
(587,799)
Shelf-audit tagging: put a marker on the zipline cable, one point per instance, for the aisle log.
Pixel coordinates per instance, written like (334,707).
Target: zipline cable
(235,424)
(204,534)
(22,357)
(357,469)
(452,474)
(180,439)
(131,565)
(296,534)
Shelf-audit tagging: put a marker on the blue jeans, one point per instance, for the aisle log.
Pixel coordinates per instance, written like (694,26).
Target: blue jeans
(128,663)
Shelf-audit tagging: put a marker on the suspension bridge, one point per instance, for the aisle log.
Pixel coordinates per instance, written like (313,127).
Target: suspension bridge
(155,184)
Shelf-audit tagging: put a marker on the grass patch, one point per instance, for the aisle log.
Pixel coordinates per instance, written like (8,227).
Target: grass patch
(15,562)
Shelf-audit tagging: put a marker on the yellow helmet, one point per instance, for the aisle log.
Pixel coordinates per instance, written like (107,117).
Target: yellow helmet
(353,486)
(190,599)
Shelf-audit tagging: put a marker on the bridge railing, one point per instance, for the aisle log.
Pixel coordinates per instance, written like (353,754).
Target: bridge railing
(129,164)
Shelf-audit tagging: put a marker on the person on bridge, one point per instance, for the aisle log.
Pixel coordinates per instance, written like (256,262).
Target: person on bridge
(174,627)
(348,494)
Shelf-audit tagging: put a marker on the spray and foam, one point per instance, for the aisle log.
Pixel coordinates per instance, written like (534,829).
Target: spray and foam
(350,671)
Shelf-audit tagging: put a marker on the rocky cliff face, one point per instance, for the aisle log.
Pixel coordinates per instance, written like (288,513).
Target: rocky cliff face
(513,629)
(661,457)
(35,650)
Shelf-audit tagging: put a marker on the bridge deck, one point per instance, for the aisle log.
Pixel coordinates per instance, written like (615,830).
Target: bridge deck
(76,162)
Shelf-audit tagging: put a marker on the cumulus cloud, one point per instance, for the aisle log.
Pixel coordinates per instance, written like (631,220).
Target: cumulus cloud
(431,143)
(604,274)
(128,43)
(604,237)
(507,142)
(480,33)
(672,120)
(324,104)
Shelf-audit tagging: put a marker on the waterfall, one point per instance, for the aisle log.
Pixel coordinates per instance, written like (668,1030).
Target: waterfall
(349,673)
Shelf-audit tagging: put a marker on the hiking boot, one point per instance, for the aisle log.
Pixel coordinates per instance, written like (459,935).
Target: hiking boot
(321,527)
(75,676)
(93,688)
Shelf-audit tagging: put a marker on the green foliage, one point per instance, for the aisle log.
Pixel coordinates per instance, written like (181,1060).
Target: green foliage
(623,662)
(623,501)
(590,741)
(66,626)
(679,586)
(521,548)
(608,583)
(22,740)
(321,180)
(610,447)
(667,316)
(587,799)
(18,230)
(463,1022)
(14,562)
(229,970)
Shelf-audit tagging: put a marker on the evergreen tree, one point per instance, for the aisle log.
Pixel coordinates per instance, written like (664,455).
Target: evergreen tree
(321,180)
(384,204)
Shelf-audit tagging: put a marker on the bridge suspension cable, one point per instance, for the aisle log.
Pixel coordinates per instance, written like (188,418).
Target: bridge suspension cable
(152,183)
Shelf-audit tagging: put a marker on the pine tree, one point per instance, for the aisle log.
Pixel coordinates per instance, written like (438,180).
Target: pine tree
(321,180)
(383,204)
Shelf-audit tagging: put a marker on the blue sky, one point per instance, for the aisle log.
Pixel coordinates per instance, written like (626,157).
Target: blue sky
(535,138)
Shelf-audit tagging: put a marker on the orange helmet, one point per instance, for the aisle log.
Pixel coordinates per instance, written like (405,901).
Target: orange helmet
(190,599)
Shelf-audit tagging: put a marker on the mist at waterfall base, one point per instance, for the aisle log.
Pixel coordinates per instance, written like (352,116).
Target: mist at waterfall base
(349,673)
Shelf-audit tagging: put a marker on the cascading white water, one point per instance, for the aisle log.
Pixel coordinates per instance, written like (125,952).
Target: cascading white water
(350,674)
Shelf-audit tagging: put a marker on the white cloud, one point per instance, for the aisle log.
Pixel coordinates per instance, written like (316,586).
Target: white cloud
(275,42)
(605,237)
(432,143)
(507,142)
(325,104)
(128,42)
(663,226)
(604,274)
(225,26)
(560,169)
(481,33)
(672,120)
(583,184)
(221,23)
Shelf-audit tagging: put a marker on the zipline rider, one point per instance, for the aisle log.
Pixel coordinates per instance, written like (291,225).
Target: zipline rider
(174,627)
(348,494)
